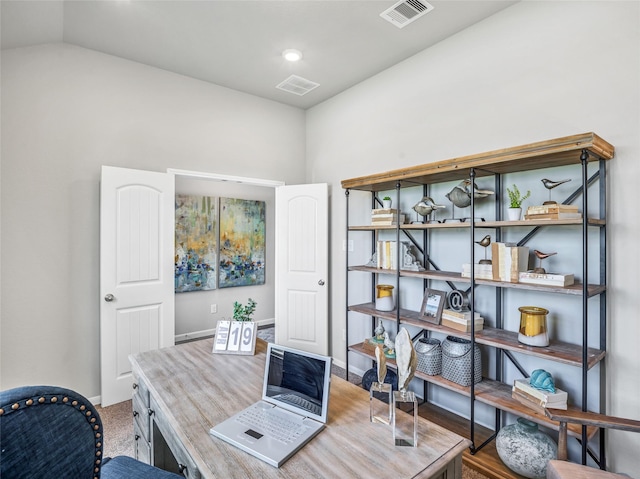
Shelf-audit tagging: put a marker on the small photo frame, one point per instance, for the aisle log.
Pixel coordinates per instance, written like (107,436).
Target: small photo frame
(432,305)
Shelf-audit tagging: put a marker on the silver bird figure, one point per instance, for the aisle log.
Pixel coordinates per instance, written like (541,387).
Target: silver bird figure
(389,343)
(426,206)
(484,242)
(549,185)
(540,255)
(460,195)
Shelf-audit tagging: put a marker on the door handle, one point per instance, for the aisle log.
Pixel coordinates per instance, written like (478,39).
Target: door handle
(321,282)
(109,297)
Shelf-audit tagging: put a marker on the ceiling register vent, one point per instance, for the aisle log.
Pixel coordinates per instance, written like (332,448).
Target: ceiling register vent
(405,12)
(297,85)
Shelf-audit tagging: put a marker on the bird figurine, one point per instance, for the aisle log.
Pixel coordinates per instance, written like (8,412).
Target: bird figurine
(379,331)
(389,344)
(484,242)
(540,255)
(460,195)
(550,184)
(426,206)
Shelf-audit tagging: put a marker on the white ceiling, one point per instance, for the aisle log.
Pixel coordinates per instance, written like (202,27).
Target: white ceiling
(238,43)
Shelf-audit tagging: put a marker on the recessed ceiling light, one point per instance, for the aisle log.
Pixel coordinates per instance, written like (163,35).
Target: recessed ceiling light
(292,55)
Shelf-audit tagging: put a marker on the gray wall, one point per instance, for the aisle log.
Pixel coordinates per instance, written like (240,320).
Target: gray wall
(65,112)
(535,71)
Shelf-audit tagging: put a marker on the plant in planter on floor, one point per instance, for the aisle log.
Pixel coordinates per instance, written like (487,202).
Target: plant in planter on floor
(243,313)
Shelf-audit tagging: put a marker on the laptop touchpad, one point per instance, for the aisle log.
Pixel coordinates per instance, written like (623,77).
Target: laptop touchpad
(251,435)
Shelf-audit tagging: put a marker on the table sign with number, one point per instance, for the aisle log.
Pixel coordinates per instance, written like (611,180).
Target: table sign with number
(235,337)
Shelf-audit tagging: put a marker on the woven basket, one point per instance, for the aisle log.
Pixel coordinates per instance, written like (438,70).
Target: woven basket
(429,354)
(456,361)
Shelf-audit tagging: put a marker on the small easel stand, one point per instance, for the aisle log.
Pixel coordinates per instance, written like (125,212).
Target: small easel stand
(405,418)
(380,403)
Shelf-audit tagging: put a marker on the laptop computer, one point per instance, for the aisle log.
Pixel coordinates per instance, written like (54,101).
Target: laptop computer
(293,409)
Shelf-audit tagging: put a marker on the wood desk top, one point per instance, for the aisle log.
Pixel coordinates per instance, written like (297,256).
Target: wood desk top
(197,389)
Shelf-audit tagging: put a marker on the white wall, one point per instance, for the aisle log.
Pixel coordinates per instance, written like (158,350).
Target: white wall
(65,112)
(535,71)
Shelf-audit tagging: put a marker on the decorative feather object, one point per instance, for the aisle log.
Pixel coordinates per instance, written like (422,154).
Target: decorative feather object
(382,363)
(406,359)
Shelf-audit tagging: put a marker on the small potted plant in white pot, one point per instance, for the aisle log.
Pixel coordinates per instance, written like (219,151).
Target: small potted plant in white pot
(516,198)
(386,202)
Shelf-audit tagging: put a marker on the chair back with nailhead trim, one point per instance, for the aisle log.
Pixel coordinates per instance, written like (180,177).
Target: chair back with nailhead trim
(48,432)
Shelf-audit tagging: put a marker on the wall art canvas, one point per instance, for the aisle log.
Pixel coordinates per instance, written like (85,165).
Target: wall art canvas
(242,242)
(196,259)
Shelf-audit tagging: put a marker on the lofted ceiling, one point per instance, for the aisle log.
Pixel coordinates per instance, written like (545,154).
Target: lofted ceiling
(239,43)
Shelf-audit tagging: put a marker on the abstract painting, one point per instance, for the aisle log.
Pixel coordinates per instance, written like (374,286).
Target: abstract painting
(196,244)
(242,242)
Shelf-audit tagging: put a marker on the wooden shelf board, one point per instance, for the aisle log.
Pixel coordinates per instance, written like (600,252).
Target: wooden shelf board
(557,351)
(532,156)
(487,391)
(575,289)
(481,224)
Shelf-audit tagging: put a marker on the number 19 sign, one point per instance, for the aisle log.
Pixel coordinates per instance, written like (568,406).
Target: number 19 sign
(235,337)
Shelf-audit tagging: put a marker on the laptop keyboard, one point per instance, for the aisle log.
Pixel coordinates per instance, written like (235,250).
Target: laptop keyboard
(272,424)
(303,403)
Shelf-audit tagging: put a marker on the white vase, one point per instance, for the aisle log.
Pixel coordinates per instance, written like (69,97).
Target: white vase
(386,204)
(514,214)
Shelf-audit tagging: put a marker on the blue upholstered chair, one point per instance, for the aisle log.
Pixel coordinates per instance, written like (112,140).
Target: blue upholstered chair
(53,432)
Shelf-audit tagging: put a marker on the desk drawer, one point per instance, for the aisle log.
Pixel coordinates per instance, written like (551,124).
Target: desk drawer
(141,446)
(168,452)
(141,391)
(141,418)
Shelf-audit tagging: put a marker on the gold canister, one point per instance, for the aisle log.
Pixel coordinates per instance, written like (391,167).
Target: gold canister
(384,297)
(533,326)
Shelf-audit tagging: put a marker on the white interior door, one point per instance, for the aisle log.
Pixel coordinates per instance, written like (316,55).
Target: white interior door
(301,303)
(136,272)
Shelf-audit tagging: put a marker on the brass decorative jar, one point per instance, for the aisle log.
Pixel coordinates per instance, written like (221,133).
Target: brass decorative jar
(533,326)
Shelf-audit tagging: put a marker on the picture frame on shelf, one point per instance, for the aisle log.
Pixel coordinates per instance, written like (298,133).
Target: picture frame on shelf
(432,305)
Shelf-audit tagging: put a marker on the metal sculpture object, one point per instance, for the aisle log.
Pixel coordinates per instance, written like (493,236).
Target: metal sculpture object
(425,207)
(460,195)
(540,255)
(484,242)
(549,185)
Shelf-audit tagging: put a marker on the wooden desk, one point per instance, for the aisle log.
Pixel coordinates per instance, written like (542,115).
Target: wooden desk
(190,389)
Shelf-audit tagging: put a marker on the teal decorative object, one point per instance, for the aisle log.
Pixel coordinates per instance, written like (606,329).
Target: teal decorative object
(541,379)
(526,450)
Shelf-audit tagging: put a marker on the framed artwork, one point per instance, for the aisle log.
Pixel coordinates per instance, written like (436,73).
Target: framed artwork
(432,305)
(196,243)
(242,242)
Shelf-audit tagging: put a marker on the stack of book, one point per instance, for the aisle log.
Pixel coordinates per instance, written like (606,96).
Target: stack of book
(461,320)
(387,254)
(385,217)
(481,271)
(547,279)
(554,211)
(508,260)
(538,399)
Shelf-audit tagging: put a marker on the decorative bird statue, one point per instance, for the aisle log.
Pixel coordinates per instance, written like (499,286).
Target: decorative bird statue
(540,255)
(379,331)
(406,359)
(550,184)
(460,195)
(484,242)
(389,344)
(426,206)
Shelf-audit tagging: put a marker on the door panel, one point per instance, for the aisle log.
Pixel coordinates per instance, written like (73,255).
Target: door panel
(136,272)
(302,267)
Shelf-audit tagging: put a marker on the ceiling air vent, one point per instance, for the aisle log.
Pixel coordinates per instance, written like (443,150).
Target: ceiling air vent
(405,12)
(297,85)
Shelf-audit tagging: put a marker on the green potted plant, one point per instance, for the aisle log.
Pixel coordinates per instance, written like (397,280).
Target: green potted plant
(386,202)
(243,313)
(515,202)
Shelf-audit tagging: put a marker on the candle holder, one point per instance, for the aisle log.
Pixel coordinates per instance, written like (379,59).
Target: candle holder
(533,326)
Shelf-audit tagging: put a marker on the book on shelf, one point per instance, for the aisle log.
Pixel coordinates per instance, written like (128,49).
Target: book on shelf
(462,324)
(551,208)
(554,216)
(384,211)
(508,260)
(386,217)
(459,314)
(546,279)
(481,271)
(548,399)
(387,254)
(535,405)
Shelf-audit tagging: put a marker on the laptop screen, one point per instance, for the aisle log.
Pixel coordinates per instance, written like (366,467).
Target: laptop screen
(297,381)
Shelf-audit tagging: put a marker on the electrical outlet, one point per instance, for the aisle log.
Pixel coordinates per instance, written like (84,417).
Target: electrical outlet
(214,308)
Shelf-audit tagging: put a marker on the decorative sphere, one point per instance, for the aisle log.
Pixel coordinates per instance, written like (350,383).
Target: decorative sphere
(526,450)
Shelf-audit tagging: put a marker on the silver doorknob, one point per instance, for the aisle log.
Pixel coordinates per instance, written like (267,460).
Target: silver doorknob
(109,297)
(321,282)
